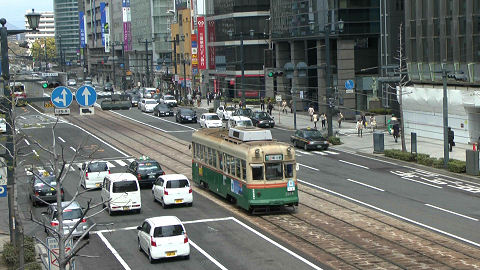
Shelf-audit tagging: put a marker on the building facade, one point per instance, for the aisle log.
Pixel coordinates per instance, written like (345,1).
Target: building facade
(67,31)
(443,33)
(46,27)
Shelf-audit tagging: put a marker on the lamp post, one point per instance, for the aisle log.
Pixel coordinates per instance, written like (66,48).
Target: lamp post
(147,70)
(242,60)
(183,87)
(174,40)
(33,21)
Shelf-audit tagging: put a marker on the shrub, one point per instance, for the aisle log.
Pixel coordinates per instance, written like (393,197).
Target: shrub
(456,166)
(251,101)
(334,140)
(398,154)
(438,163)
(211,110)
(381,111)
(10,254)
(425,159)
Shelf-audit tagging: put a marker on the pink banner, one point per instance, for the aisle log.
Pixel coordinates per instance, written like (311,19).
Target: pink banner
(202,57)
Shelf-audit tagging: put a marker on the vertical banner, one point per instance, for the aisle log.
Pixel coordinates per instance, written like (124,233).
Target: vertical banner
(126,17)
(103,21)
(211,48)
(107,29)
(81,21)
(202,58)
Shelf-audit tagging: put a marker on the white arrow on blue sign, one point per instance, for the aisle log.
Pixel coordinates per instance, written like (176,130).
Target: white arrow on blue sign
(86,96)
(61,97)
(349,84)
(3,191)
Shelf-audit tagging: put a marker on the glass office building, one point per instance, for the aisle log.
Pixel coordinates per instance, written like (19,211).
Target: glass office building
(67,30)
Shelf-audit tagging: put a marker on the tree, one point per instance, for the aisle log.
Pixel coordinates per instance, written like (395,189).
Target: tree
(38,49)
(404,80)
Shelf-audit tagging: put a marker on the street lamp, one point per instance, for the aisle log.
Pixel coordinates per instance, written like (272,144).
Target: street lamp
(339,26)
(242,60)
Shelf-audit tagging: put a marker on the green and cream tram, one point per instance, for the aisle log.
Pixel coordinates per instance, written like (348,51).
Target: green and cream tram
(245,166)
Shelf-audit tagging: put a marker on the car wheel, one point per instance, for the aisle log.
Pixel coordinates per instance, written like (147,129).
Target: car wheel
(190,204)
(87,236)
(154,199)
(150,259)
(295,144)
(163,204)
(305,147)
(110,211)
(186,257)
(34,203)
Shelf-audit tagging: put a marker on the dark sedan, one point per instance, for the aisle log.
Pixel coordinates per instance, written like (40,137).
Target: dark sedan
(162,110)
(146,170)
(309,138)
(186,115)
(134,98)
(43,189)
(262,119)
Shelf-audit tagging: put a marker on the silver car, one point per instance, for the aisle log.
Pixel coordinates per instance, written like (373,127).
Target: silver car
(72,213)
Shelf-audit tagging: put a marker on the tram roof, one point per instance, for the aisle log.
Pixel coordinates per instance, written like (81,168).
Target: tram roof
(221,135)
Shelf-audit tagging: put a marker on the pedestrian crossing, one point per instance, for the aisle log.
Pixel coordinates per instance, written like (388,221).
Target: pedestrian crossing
(117,163)
(300,153)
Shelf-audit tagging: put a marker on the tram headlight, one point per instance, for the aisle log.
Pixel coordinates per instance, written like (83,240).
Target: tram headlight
(257,153)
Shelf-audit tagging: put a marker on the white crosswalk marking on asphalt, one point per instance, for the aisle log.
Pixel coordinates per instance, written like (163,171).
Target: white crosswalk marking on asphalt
(305,153)
(330,152)
(121,163)
(72,168)
(320,153)
(130,160)
(110,165)
(297,154)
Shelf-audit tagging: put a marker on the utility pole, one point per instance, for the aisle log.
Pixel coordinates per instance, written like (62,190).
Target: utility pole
(123,68)
(329,80)
(402,120)
(445,117)
(113,63)
(242,66)
(45,52)
(147,72)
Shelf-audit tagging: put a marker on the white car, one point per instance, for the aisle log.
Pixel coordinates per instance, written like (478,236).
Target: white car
(239,121)
(147,104)
(3,125)
(163,237)
(71,82)
(169,100)
(171,189)
(92,173)
(225,112)
(210,120)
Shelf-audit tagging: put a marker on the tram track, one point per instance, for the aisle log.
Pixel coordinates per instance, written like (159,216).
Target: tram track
(333,231)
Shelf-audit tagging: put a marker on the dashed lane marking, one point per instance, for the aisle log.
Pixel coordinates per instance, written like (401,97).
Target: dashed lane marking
(354,164)
(366,185)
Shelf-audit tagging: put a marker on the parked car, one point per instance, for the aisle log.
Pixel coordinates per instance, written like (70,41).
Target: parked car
(240,121)
(43,188)
(108,87)
(262,119)
(172,189)
(186,115)
(146,170)
(134,99)
(309,138)
(162,110)
(72,213)
(225,112)
(147,104)
(169,100)
(243,112)
(92,173)
(210,120)
(121,192)
(163,237)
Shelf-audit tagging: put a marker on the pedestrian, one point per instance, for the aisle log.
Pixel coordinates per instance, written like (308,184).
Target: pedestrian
(199,100)
(315,119)
(262,104)
(310,112)
(323,119)
(359,128)
(284,106)
(240,104)
(373,123)
(451,137)
(396,131)
(270,107)
(208,98)
(340,119)
(291,105)
(364,121)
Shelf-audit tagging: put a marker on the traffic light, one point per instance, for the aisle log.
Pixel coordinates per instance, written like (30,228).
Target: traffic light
(274,74)
(45,85)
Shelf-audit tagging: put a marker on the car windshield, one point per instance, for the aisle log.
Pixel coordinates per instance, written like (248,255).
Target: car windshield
(177,183)
(262,115)
(49,180)
(150,102)
(97,167)
(167,231)
(232,109)
(124,186)
(169,98)
(313,134)
(163,107)
(148,166)
(244,123)
(212,117)
(72,213)
(188,112)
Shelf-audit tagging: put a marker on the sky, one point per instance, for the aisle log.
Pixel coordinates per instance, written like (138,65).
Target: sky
(14,10)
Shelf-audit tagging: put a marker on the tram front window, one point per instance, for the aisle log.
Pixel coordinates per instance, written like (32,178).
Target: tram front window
(288,170)
(273,171)
(257,172)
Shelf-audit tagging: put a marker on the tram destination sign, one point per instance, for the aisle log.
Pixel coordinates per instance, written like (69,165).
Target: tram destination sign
(273,157)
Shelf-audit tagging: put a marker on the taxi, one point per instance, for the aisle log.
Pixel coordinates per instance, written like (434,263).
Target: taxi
(309,139)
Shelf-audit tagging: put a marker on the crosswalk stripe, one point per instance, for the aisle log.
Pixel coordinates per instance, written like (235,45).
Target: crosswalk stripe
(297,154)
(110,165)
(319,153)
(305,153)
(131,160)
(330,152)
(121,163)
(72,169)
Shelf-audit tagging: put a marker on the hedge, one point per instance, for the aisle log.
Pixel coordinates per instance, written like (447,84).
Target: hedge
(457,166)
(10,255)
(252,101)
(454,165)
(380,111)
(398,154)
(334,140)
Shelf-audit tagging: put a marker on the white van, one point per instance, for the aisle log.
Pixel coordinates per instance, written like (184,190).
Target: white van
(239,121)
(93,173)
(121,192)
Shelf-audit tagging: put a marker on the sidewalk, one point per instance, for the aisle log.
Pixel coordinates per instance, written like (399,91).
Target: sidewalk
(350,140)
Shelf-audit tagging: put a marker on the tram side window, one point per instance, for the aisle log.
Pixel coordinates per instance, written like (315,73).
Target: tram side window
(238,169)
(228,163)
(244,169)
(273,171)
(209,156)
(220,160)
(288,170)
(257,172)
(214,158)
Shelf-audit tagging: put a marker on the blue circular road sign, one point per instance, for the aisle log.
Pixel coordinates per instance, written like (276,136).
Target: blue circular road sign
(349,84)
(86,96)
(61,97)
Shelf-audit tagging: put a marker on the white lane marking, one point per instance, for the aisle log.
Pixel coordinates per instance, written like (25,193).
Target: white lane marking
(420,182)
(168,121)
(354,164)
(207,255)
(28,172)
(331,152)
(26,141)
(73,149)
(22,117)
(298,154)
(114,252)
(134,120)
(320,153)
(121,163)
(110,165)
(363,184)
(61,139)
(305,153)
(358,155)
(130,160)
(311,168)
(271,241)
(35,152)
(282,129)
(71,168)
(391,213)
(451,212)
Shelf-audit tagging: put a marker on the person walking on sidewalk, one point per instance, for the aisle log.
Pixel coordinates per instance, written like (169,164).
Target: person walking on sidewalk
(310,112)
(262,104)
(315,119)
(373,123)
(323,119)
(396,131)
(364,120)
(451,137)
(270,107)
(340,119)
(359,128)
(290,104)
(284,106)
